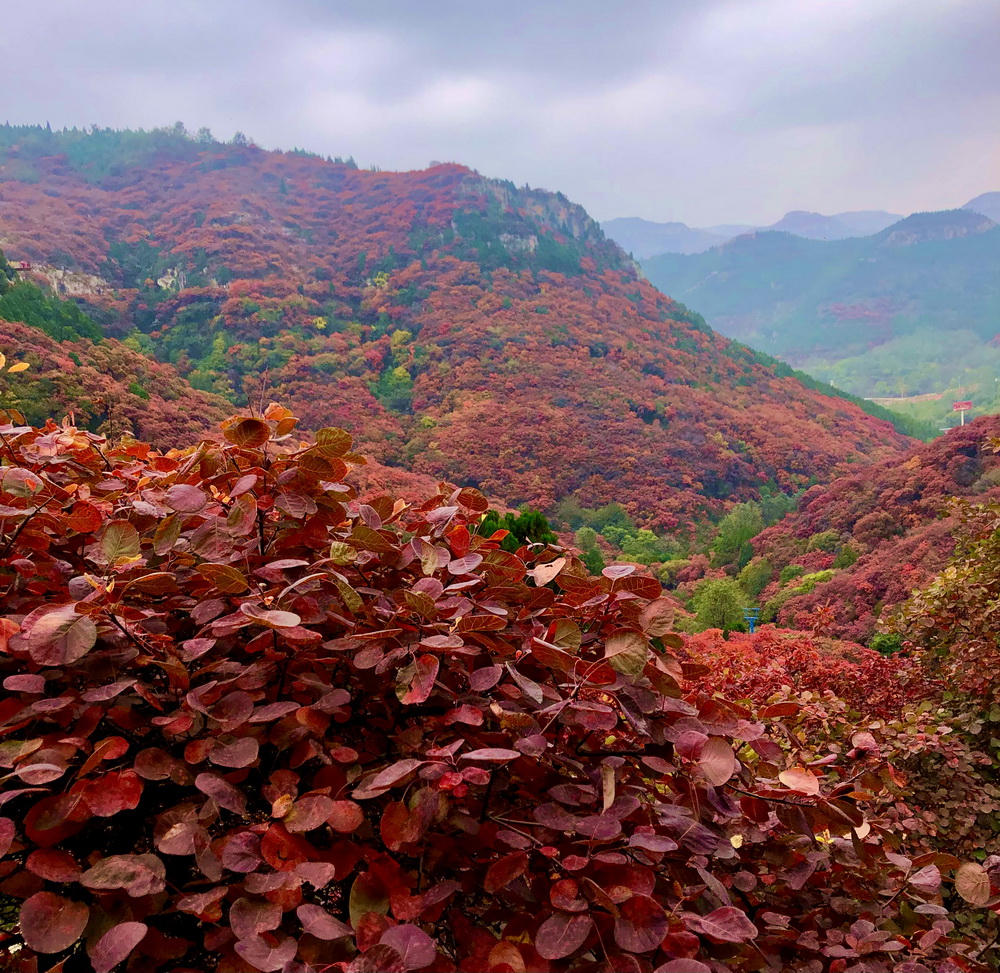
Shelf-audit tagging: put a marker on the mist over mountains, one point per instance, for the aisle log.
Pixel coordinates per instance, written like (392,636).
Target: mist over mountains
(646,238)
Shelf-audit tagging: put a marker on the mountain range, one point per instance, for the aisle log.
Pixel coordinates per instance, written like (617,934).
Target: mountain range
(646,238)
(912,309)
(458,327)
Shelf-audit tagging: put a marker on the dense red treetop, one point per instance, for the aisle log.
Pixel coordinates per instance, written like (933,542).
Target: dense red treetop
(416,310)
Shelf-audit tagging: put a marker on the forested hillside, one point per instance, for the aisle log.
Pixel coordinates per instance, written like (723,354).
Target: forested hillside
(418,309)
(861,545)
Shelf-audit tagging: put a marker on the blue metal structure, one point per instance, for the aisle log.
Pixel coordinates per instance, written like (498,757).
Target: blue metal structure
(750,616)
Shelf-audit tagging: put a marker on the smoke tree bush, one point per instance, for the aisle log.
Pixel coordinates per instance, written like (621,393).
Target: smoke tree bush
(251,723)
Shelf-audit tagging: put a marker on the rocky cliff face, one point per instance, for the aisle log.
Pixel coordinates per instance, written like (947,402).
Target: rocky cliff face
(928,227)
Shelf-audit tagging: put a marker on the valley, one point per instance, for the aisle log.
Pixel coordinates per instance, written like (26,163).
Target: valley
(903,309)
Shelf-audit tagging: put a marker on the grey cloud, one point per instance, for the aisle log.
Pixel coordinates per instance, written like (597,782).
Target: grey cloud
(703,110)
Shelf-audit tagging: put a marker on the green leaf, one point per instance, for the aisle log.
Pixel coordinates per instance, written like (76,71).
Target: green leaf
(341,553)
(566,635)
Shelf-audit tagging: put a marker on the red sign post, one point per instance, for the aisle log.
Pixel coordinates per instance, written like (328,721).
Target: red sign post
(962,407)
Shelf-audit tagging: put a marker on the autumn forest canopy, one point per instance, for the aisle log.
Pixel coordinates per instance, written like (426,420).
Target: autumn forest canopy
(377,552)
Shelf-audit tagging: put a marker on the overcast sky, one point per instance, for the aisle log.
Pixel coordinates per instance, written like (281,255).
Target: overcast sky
(704,111)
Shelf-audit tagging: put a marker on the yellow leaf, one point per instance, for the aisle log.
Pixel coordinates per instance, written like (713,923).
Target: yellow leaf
(19,367)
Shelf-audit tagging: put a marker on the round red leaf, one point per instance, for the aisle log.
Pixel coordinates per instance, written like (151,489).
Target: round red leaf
(316,921)
(642,924)
(561,935)
(345,817)
(50,923)
(116,944)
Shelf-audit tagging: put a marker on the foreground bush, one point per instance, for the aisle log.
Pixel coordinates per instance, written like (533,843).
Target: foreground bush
(251,723)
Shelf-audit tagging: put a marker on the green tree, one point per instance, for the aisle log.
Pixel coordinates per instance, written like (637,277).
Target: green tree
(645,547)
(527,527)
(6,274)
(719,603)
(756,576)
(740,526)
(586,541)
(394,389)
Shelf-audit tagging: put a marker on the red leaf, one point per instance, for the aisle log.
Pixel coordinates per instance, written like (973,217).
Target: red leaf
(238,752)
(316,921)
(204,905)
(84,518)
(799,779)
(972,882)
(248,433)
(616,571)
(241,853)
(683,966)
(119,790)
(417,679)
(270,619)
(626,651)
(717,762)
(491,755)
(58,636)
(283,851)
(185,498)
(345,817)
(382,781)
(562,935)
(267,954)
(308,812)
(49,923)
(501,873)
(138,875)
(54,865)
(642,924)
(116,944)
(465,565)
(25,684)
(7,832)
(727,925)
(379,959)
(485,678)
(222,792)
(415,947)
(565,895)
(250,917)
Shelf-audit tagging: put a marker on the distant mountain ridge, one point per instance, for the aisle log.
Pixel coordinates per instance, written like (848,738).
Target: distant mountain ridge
(643,238)
(988,204)
(646,238)
(926,289)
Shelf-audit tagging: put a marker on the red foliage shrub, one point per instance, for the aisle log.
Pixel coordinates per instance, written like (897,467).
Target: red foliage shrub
(926,742)
(775,661)
(252,723)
